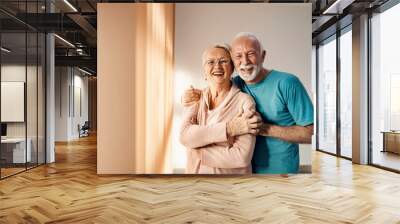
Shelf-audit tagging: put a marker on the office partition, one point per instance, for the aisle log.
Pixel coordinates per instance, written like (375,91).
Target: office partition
(22,78)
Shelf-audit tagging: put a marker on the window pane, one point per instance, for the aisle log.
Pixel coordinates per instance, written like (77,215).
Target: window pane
(346,94)
(31,99)
(41,98)
(32,7)
(327,97)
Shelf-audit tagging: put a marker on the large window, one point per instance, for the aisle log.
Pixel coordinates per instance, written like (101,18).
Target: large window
(327,96)
(334,106)
(385,88)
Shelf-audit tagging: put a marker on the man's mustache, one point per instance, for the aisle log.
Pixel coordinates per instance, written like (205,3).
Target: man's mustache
(247,66)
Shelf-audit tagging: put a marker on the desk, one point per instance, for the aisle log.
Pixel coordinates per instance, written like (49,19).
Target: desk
(391,141)
(13,150)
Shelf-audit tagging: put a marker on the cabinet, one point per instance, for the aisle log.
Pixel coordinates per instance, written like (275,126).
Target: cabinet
(391,141)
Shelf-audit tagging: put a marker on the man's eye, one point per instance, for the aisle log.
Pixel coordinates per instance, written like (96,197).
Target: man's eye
(210,62)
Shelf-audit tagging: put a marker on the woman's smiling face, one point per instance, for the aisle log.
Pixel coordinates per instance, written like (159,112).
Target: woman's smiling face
(217,66)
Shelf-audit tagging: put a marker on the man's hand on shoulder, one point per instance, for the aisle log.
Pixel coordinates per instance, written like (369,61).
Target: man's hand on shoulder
(190,96)
(248,122)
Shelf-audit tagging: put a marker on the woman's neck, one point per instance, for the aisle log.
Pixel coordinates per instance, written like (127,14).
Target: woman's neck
(218,93)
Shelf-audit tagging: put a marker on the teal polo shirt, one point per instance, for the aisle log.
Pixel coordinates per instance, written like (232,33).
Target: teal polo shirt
(282,100)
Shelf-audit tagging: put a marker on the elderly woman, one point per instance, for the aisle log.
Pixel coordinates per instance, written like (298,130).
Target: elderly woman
(206,122)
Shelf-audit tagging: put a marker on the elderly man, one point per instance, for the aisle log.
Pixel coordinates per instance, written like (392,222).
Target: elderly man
(282,103)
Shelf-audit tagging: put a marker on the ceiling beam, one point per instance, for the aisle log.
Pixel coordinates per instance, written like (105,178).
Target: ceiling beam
(83,61)
(84,24)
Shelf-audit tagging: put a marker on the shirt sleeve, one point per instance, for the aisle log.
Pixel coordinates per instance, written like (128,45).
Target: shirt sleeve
(193,135)
(237,81)
(297,100)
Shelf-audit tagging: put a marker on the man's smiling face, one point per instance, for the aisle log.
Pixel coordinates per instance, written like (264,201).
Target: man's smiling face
(247,57)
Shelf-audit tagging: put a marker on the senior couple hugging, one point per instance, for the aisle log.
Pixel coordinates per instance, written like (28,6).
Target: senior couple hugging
(251,123)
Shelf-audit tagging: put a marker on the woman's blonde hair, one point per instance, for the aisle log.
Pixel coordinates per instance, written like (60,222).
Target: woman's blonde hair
(223,46)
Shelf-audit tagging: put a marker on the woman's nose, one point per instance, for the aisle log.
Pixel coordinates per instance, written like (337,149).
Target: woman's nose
(217,64)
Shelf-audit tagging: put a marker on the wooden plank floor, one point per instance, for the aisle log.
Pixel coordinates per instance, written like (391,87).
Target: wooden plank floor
(10,171)
(69,191)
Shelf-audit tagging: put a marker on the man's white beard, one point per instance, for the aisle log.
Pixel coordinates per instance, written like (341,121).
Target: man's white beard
(249,77)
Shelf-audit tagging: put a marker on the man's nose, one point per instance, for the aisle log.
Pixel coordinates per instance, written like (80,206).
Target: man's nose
(244,60)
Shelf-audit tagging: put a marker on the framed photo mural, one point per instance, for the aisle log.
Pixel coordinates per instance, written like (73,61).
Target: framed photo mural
(216,88)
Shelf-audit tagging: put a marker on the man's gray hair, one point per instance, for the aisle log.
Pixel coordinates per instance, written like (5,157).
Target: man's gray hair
(249,35)
(223,46)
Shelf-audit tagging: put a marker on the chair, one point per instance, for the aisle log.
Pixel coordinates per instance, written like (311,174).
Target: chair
(84,130)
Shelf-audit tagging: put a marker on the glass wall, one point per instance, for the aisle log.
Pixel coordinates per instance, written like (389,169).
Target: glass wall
(31,100)
(385,89)
(22,88)
(346,92)
(327,95)
(13,89)
(41,97)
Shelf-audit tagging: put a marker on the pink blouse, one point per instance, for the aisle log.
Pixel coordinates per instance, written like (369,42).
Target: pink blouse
(203,132)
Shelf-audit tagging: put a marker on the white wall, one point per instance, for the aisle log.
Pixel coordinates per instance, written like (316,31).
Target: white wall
(68,82)
(284,30)
(61,103)
(80,84)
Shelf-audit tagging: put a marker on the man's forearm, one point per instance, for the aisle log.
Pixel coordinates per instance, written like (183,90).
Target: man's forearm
(295,134)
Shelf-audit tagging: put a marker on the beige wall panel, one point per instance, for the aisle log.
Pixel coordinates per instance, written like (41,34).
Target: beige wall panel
(135,87)
(116,38)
